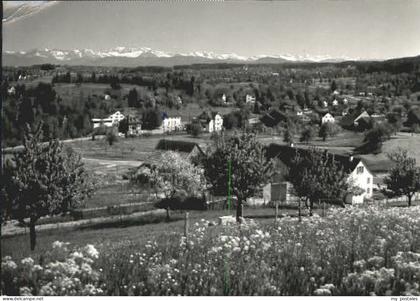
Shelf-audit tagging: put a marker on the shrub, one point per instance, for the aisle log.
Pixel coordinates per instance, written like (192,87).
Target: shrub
(111,137)
(179,202)
(195,129)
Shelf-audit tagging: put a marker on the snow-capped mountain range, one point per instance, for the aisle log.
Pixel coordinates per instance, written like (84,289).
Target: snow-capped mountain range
(143,56)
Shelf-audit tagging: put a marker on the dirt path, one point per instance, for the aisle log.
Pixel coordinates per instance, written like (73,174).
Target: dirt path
(112,163)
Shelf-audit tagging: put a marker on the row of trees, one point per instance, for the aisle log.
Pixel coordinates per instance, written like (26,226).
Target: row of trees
(62,118)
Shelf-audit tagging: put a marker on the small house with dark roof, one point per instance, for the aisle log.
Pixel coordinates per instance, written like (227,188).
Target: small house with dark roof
(273,118)
(356,121)
(186,149)
(178,146)
(359,175)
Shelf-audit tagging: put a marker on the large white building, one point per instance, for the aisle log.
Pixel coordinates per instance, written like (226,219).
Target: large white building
(111,120)
(171,124)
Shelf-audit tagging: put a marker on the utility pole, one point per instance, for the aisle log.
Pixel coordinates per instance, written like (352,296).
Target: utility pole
(229,184)
(186,224)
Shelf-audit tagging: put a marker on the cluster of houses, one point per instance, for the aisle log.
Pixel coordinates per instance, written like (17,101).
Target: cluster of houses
(210,122)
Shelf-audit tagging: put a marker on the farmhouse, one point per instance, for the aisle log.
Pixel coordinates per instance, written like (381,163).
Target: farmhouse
(186,149)
(216,123)
(327,118)
(359,118)
(111,120)
(134,126)
(249,99)
(273,118)
(356,121)
(359,175)
(211,122)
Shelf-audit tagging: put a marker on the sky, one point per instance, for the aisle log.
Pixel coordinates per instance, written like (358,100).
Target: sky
(368,29)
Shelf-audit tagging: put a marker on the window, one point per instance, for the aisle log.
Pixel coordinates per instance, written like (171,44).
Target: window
(360,169)
(368,180)
(368,191)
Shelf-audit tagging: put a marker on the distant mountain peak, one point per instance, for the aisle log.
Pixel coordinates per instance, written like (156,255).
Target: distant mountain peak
(137,56)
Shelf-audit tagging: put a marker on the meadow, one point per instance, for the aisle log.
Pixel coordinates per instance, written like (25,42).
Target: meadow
(353,251)
(141,231)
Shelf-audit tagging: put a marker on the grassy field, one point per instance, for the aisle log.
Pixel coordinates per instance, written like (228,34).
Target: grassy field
(381,163)
(410,142)
(346,141)
(117,194)
(145,230)
(18,246)
(127,149)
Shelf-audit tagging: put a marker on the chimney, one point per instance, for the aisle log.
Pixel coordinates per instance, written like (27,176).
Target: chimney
(351,159)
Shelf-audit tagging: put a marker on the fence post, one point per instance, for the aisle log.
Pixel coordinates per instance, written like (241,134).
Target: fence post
(186,224)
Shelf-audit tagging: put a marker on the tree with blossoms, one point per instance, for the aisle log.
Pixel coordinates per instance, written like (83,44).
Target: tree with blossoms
(174,175)
(43,179)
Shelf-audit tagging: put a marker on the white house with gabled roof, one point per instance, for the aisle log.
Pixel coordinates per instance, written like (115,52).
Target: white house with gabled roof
(327,118)
(359,177)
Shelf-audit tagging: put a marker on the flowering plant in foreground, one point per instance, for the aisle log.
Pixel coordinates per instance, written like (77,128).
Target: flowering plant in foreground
(351,251)
(62,273)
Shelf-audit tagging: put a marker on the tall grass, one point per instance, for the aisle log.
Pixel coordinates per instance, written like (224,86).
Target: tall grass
(352,251)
